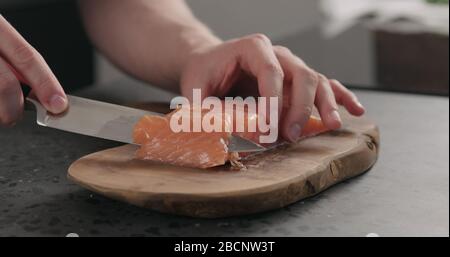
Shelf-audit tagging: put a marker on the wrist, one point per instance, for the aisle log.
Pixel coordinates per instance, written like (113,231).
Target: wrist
(198,41)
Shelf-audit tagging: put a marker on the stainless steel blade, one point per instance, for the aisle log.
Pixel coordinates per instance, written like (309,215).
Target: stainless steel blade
(93,118)
(109,121)
(242,145)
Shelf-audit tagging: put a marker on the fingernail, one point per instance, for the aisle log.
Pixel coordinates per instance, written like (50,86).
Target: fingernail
(58,104)
(294,132)
(360,105)
(335,116)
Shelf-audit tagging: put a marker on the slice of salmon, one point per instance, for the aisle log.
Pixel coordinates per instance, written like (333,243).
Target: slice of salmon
(191,149)
(196,149)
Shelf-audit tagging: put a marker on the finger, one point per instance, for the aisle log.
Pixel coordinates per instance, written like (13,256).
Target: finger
(303,92)
(326,104)
(30,64)
(346,98)
(257,57)
(11,98)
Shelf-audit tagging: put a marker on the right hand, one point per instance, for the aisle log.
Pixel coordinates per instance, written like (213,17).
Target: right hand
(253,65)
(17,56)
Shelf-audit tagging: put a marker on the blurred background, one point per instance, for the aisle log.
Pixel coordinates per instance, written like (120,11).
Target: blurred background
(393,45)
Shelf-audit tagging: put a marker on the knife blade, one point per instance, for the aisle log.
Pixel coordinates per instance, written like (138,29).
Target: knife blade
(109,121)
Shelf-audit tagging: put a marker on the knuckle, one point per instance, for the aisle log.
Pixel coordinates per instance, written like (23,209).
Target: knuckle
(274,69)
(335,81)
(312,76)
(330,104)
(309,77)
(322,77)
(25,56)
(259,38)
(282,50)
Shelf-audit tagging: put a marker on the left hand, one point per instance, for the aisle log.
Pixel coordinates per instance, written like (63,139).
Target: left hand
(251,64)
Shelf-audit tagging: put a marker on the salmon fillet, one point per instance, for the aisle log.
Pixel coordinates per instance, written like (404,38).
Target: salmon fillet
(196,149)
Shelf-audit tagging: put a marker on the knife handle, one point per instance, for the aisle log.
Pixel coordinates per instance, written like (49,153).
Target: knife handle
(31,105)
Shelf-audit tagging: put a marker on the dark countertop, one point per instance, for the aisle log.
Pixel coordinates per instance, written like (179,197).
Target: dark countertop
(405,194)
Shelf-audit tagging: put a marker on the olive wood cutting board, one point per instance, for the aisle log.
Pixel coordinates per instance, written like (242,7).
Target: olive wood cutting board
(272,179)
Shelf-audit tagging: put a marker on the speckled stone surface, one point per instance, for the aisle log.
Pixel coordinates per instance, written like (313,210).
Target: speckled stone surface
(406,193)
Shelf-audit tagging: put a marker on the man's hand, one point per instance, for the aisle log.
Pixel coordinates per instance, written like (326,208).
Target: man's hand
(252,65)
(164,44)
(19,59)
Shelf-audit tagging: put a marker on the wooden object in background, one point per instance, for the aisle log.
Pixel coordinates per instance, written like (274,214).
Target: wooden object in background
(412,62)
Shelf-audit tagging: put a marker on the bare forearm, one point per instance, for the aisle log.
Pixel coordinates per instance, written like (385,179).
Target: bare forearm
(161,42)
(150,39)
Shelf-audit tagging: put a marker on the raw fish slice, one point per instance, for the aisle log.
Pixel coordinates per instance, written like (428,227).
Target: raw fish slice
(197,149)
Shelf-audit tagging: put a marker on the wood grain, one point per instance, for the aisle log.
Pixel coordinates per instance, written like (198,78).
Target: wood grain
(273,179)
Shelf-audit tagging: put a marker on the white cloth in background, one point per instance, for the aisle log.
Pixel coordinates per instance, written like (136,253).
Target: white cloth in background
(399,15)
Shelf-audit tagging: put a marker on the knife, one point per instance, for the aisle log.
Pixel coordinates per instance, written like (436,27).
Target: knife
(108,121)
